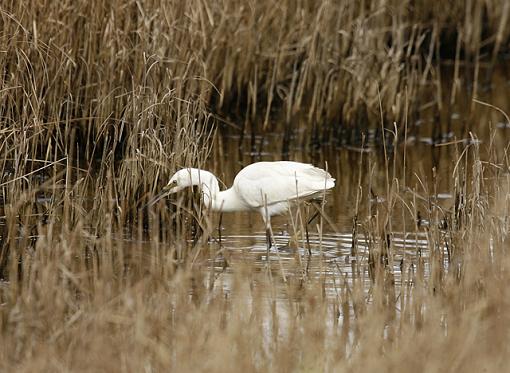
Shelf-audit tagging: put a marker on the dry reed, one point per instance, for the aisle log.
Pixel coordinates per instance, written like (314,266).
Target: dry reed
(100,102)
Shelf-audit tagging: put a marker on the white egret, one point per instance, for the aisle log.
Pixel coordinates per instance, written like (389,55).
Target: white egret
(266,187)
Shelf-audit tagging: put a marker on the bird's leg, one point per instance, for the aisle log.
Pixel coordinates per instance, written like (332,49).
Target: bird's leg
(308,240)
(306,231)
(267,221)
(313,217)
(269,240)
(219,228)
(308,261)
(222,251)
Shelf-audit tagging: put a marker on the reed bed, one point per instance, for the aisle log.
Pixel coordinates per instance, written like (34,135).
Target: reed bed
(85,290)
(101,102)
(327,69)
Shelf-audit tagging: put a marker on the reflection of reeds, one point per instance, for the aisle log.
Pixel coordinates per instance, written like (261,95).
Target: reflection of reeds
(101,102)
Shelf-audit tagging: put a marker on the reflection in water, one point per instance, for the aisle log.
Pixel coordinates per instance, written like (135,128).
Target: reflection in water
(332,258)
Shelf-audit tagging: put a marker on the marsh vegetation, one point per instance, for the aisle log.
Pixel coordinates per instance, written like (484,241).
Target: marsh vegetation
(403,102)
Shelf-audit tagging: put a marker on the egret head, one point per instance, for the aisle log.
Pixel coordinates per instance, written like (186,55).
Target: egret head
(188,177)
(180,180)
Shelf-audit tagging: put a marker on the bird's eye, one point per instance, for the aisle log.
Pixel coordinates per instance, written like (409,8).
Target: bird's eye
(170,185)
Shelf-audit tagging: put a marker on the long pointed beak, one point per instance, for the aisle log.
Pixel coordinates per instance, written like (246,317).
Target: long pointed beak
(167,190)
(156,198)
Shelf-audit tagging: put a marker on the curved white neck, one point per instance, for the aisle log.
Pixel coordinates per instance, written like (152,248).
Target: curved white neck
(227,201)
(208,187)
(213,198)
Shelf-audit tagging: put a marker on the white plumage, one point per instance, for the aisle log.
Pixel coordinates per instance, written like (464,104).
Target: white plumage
(266,187)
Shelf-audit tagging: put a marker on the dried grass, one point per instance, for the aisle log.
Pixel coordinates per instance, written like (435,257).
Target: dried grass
(100,102)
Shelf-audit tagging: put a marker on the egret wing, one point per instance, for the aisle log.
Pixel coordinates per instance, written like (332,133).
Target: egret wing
(273,182)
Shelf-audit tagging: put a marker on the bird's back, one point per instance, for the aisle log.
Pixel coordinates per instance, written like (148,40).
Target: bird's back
(268,183)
